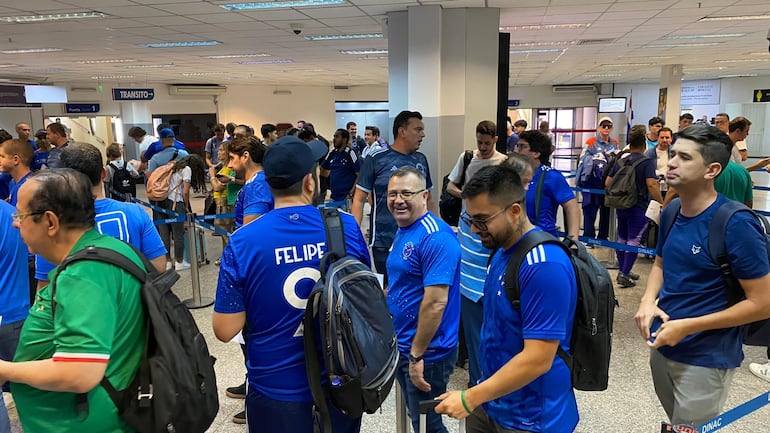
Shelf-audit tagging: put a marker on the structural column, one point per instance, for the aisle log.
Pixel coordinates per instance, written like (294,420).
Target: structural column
(443,63)
(670,95)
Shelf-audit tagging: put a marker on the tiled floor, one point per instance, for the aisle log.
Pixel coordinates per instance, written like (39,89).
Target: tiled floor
(629,405)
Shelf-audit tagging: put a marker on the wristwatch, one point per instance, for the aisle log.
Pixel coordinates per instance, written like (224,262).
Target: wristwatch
(415,359)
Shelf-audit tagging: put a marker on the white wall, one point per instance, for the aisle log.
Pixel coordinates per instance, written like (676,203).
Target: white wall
(9,117)
(543,97)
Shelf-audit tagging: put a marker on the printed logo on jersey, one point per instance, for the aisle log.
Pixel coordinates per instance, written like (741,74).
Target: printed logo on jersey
(407,251)
(420,167)
(393,168)
(695,249)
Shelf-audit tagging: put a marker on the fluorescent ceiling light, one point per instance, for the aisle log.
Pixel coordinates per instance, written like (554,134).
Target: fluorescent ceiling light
(363,52)
(542,43)
(627,65)
(602,75)
(96,62)
(149,66)
(724,35)
(547,27)
(644,57)
(201,74)
(8,65)
(280,4)
(694,44)
(538,51)
(737,18)
(52,17)
(709,68)
(31,50)
(343,37)
(737,75)
(237,56)
(111,77)
(742,60)
(180,44)
(266,62)
(42,70)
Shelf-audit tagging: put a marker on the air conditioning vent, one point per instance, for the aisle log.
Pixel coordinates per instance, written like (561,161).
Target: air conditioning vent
(196,89)
(341,87)
(575,88)
(595,41)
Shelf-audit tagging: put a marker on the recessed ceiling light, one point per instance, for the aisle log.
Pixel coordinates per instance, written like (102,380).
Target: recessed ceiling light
(737,18)
(8,65)
(724,35)
(96,62)
(363,52)
(742,60)
(52,17)
(266,62)
(343,37)
(546,27)
(737,75)
(170,65)
(280,4)
(111,77)
(538,51)
(694,44)
(602,75)
(180,44)
(31,50)
(237,56)
(542,43)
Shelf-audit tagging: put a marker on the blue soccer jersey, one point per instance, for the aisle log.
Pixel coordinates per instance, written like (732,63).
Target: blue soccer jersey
(548,294)
(270,280)
(254,198)
(126,221)
(425,253)
(374,177)
(556,191)
(14,296)
(693,285)
(343,166)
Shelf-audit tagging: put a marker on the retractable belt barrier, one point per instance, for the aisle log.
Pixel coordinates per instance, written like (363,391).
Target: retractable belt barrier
(720,421)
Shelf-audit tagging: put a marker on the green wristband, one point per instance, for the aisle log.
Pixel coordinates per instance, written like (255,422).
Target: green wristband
(465,405)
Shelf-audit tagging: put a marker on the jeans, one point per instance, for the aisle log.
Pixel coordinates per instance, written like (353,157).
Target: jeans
(590,206)
(264,414)
(164,230)
(480,422)
(380,255)
(631,225)
(437,375)
(472,314)
(9,339)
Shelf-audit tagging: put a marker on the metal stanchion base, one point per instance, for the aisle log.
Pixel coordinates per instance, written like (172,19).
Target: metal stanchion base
(204,302)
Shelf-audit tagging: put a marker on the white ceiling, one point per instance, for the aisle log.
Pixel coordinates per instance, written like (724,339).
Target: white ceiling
(629,24)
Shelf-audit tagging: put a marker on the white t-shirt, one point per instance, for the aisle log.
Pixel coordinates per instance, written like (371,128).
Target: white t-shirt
(176,184)
(475,165)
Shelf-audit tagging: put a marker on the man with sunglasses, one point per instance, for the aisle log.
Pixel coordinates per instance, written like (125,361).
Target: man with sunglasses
(525,386)
(592,203)
(423,295)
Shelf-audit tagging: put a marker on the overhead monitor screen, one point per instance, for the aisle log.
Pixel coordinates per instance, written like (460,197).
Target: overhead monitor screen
(45,94)
(612,105)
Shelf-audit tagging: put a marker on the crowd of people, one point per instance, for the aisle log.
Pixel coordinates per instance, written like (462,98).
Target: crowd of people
(434,275)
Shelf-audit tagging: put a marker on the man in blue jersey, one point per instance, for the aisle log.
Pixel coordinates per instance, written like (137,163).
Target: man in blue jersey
(15,156)
(14,291)
(264,286)
(556,191)
(408,132)
(473,267)
(341,166)
(525,386)
(684,315)
(126,221)
(157,146)
(423,295)
(254,199)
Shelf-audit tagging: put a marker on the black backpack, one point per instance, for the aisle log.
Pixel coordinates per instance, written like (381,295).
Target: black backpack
(622,192)
(449,206)
(591,342)
(122,182)
(347,314)
(755,333)
(175,388)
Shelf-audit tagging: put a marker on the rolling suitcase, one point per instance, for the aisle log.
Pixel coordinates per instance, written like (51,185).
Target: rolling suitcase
(200,247)
(429,405)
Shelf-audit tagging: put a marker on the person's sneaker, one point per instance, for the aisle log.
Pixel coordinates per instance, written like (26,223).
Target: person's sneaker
(624,281)
(240,417)
(218,261)
(236,391)
(633,276)
(181,266)
(169,265)
(762,371)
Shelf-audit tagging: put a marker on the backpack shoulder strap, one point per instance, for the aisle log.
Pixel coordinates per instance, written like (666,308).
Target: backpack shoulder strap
(113,166)
(335,232)
(718,247)
(667,219)
(176,153)
(466,162)
(539,192)
(313,361)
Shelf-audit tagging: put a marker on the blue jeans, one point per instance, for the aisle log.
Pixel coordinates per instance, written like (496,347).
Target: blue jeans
(593,203)
(631,225)
(9,339)
(472,314)
(437,375)
(264,414)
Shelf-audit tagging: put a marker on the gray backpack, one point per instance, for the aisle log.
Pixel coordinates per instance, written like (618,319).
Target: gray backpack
(622,192)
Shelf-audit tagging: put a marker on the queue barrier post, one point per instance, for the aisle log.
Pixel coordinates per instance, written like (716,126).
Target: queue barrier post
(402,420)
(197,301)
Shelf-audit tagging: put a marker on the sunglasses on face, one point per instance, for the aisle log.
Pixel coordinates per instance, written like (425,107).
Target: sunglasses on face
(605,126)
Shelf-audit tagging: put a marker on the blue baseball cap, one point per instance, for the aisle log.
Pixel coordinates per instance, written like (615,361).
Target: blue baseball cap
(289,159)
(167,133)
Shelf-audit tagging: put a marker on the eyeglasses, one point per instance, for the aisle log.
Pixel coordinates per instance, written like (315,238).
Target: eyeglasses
(605,126)
(406,195)
(21,216)
(481,224)
(522,145)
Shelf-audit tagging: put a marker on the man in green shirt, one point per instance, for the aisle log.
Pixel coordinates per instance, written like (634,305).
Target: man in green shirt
(98,327)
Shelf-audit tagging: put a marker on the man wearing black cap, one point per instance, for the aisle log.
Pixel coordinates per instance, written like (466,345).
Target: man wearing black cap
(263,286)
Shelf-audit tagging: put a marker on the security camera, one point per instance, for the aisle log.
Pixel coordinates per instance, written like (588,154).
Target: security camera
(296,28)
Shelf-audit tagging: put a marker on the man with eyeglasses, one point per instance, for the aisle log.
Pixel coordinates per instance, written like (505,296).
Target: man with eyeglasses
(525,386)
(423,295)
(593,203)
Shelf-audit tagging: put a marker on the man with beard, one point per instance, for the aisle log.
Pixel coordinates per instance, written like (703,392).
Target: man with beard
(524,386)
(264,286)
(341,167)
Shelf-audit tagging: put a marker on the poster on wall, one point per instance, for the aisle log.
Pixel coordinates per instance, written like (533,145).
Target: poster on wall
(662,99)
(700,93)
